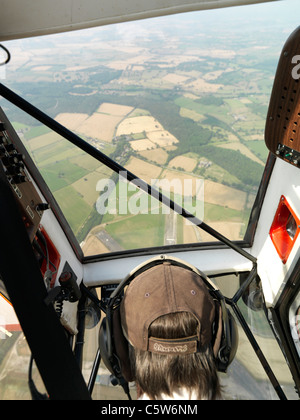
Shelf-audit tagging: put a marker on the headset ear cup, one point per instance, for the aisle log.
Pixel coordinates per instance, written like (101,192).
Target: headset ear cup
(234,337)
(103,345)
(226,339)
(121,347)
(114,348)
(218,329)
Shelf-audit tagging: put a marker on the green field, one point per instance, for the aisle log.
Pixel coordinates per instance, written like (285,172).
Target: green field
(133,231)
(73,206)
(62,173)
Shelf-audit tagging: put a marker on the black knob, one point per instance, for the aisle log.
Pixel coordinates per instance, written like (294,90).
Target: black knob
(280,150)
(2,150)
(43,206)
(8,160)
(18,179)
(13,170)
(10,147)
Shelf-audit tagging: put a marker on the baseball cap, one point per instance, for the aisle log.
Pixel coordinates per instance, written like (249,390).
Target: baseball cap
(160,290)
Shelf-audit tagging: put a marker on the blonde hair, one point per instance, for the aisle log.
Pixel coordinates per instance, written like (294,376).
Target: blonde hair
(157,374)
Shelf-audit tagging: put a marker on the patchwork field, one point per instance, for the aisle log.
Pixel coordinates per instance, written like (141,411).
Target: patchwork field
(158,155)
(224,196)
(182,184)
(162,138)
(201,85)
(71,121)
(100,126)
(114,109)
(143,144)
(184,162)
(175,78)
(138,125)
(144,170)
(43,141)
(86,187)
(73,176)
(180,108)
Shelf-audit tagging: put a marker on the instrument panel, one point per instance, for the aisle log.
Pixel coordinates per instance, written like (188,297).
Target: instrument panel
(20,181)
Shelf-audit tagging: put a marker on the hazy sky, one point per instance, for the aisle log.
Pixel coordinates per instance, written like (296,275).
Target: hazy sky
(284,14)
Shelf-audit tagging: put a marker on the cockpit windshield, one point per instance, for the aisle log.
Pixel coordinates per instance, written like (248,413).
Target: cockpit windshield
(180,101)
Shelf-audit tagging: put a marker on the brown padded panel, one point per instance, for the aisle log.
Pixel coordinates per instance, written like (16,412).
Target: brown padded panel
(282,131)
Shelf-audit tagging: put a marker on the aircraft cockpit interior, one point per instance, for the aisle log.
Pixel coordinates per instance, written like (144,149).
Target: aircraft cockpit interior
(140,134)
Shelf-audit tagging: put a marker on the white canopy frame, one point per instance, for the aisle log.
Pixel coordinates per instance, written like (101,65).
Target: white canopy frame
(28,18)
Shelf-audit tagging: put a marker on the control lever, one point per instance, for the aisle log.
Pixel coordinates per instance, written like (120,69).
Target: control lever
(67,291)
(69,287)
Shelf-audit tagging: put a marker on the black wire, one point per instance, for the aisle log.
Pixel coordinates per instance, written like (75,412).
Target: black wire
(8,55)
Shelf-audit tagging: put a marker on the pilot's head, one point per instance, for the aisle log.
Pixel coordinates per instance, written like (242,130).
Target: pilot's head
(167,328)
(174,329)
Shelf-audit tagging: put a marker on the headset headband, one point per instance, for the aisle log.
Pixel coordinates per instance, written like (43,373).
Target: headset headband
(114,345)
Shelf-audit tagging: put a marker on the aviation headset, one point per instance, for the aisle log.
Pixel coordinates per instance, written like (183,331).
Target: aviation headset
(114,346)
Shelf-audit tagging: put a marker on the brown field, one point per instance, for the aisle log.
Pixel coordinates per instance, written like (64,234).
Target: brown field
(213,75)
(138,68)
(44,140)
(232,137)
(138,125)
(86,186)
(114,109)
(162,138)
(200,85)
(191,233)
(158,155)
(188,164)
(176,177)
(214,192)
(191,95)
(170,148)
(174,60)
(214,53)
(100,126)
(92,246)
(193,115)
(230,230)
(143,144)
(255,137)
(175,78)
(137,60)
(71,121)
(224,196)
(144,170)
